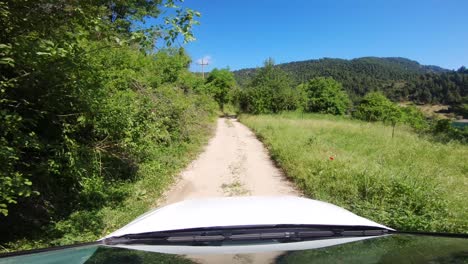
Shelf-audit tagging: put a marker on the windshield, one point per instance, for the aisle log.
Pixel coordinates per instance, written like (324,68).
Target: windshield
(184,127)
(389,249)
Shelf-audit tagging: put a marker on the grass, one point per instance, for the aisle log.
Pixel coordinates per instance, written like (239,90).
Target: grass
(406,182)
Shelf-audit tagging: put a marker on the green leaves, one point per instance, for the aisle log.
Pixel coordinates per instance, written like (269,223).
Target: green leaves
(218,85)
(5,55)
(81,105)
(181,25)
(270,91)
(376,107)
(7,61)
(324,95)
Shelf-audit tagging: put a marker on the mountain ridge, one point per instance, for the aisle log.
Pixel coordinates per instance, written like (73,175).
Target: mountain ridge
(430,67)
(399,78)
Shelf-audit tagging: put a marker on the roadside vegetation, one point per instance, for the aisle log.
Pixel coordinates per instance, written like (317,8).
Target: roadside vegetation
(381,160)
(97,114)
(271,90)
(406,182)
(99,111)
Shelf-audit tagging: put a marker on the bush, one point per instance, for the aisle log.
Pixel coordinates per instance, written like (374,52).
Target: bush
(413,117)
(444,131)
(269,92)
(374,107)
(218,84)
(94,134)
(324,95)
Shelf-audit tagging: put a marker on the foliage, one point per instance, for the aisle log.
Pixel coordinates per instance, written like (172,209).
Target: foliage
(325,95)
(88,110)
(443,130)
(354,164)
(376,107)
(268,92)
(461,108)
(219,84)
(413,117)
(398,78)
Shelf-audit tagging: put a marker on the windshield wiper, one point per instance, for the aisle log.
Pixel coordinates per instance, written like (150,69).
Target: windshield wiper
(211,236)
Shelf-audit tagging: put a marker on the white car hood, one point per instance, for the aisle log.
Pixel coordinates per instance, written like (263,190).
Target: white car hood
(243,211)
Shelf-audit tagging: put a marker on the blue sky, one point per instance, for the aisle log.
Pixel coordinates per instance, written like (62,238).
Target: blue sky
(243,33)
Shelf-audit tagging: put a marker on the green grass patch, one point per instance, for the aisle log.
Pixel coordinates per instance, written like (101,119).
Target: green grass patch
(406,182)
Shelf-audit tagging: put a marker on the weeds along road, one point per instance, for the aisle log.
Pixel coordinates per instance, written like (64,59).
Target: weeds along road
(234,163)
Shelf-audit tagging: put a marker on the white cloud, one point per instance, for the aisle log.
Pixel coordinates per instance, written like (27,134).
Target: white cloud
(205,60)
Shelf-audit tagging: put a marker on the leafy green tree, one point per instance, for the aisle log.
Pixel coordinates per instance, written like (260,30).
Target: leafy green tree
(84,100)
(324,95)
(219,83)
(373,107)
(49,83)
(269,91)
(413,117)
(376,107)
(398,78)
(392,116)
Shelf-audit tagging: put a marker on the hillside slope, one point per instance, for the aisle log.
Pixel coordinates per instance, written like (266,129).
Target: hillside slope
(400,78)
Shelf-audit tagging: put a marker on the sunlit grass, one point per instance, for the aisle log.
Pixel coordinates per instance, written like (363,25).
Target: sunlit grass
(406,182)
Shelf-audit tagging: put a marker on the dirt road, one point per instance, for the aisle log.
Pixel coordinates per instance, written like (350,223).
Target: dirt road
(234,163)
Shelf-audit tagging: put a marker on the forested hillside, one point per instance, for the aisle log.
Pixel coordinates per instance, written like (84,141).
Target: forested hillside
(94,122)
(399,78)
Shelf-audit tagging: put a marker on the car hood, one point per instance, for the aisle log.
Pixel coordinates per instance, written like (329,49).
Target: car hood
(243,211)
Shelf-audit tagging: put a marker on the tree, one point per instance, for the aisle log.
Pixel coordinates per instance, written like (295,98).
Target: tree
(413,117)
(399,79)
(373,107)
(219,83)
(269,91)
(84,97)
(392,116)
(376,107)
(325,95)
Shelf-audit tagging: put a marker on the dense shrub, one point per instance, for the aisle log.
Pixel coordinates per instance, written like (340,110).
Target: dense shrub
(88,108)
(269,92)
(324,95)
(443,130)
(219,84)
(413,117)
(375,107)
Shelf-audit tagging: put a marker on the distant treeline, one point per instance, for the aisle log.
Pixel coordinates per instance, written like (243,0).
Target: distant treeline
(271,89)
(399,79)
